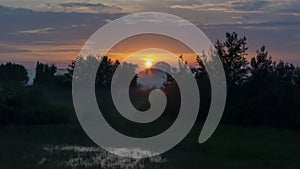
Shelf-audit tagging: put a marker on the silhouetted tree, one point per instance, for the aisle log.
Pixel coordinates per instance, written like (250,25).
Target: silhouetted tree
(13,74)
(262,68)
(69,75)
(106,69)
(105,72)
(130,68)
(45,74)
(232,53)
(285,73)
(262,65)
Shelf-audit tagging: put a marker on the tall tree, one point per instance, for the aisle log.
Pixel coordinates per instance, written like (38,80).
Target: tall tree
(70,70)
(44,73)
(262,66)
(232,53)
(106,71)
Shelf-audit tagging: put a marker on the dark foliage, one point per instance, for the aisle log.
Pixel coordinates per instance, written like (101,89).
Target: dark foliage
(261,92)
(13,74)
(26,106)
(232,53)
(45,74)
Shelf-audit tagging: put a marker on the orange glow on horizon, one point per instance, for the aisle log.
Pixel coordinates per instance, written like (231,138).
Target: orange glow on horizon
(154,42)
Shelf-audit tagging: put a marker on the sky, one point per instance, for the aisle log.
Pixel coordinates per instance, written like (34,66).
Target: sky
(155,48)
(54,31)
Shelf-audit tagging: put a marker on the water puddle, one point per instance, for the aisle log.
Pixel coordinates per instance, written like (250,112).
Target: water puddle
(70,156)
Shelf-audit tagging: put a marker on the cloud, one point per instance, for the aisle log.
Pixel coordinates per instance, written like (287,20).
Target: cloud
(27,36)
(237,6)
(207,6)
(23,26)
(73,4)
(295,14)
(5,49)
(81,7)
(274,23)
(36,31)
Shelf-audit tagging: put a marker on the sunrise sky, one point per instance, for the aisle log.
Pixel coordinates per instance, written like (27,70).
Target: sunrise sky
(140,49)
(54,31)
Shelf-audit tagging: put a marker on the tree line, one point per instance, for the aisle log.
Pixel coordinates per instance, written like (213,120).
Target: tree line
(260,91)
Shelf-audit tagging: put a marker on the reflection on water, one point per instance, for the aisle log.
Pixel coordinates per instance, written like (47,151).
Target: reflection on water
(131,152)
(90,157)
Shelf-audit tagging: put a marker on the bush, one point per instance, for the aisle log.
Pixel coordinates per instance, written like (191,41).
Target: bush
(26,106)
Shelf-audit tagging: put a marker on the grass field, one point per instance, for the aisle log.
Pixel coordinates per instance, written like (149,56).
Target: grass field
(67,146)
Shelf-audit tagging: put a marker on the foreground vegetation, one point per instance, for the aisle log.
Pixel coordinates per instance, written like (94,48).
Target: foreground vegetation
(231,147)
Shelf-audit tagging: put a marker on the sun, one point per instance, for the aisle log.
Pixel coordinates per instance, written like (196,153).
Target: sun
(148,63)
